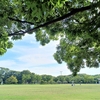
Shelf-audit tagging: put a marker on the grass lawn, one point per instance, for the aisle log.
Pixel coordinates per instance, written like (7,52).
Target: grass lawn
(50,92)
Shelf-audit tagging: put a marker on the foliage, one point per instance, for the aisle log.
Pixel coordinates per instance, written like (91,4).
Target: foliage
(11,80)
(27,77)
(76,22)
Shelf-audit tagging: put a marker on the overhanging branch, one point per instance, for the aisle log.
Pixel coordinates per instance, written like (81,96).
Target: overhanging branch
(72,12)
(17,20)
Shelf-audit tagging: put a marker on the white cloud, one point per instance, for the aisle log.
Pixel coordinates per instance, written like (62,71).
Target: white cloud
(8,63)
(36,58)
(39,55)
(51,70)
(90,71)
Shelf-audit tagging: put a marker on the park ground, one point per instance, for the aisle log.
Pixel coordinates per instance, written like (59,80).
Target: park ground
(50,92)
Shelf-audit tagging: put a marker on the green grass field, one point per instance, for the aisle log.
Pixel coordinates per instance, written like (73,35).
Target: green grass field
(50,92)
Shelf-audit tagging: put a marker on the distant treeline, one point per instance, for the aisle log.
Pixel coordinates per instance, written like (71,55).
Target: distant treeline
(8,76)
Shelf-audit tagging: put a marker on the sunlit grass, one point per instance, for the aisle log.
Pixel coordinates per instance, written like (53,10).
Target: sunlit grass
(50,92)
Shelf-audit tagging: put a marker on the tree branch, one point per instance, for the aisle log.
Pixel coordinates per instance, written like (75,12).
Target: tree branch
(72,12)
(17,20)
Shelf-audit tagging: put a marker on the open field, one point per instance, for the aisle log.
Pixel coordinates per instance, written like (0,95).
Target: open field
(50,92)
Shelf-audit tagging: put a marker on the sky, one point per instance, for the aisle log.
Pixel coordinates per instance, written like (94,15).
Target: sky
(28,54)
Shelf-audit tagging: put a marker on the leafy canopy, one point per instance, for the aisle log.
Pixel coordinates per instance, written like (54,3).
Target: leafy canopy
(76,22)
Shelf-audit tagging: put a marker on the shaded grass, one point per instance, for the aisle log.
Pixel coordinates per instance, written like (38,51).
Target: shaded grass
(50,92)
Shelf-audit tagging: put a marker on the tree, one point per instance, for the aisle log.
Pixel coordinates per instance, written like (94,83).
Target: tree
(3,72)
(61,78)
(33,78)
(26,76)
(47,79)
(76,22)
(38,79)
(11,80)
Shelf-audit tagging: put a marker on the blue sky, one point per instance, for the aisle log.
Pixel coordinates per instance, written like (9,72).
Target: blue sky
(28,54)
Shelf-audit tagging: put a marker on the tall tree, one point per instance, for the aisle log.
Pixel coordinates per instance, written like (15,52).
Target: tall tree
(75,22)
(26,76)
(3,74)
(11,80)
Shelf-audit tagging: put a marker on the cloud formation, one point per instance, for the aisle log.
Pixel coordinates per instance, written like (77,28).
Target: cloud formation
(27,54)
